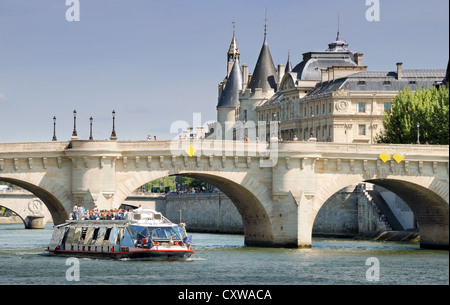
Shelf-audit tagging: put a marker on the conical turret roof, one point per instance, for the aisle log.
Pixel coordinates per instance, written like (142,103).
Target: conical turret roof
(230,95)
(265,73)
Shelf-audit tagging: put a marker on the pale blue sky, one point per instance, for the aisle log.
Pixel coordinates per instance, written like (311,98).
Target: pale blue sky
(156,62)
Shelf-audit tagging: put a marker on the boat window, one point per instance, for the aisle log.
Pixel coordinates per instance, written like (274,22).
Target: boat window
(66,234)
(76,237)
(133,233)
(165,233)
(179,231)
(127,240)
(107,235)
(83,235)
(121,234)
(144,232)
(88,237)
(113,236)
(101,235)
(95,235)
(69,236)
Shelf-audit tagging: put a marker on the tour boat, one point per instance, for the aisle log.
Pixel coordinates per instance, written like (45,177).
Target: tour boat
(143,233)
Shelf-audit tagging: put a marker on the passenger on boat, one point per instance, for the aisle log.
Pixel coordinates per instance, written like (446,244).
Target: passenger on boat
(80,213)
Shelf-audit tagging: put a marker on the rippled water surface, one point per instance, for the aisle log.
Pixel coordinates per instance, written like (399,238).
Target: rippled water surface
(225,260)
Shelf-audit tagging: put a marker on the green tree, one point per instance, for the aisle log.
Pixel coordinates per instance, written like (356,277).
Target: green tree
(192,183)
(428,107)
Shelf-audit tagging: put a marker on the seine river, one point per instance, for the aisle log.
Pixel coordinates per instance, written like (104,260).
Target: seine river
(225,260)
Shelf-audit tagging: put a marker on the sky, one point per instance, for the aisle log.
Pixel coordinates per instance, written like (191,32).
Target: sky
(158,62)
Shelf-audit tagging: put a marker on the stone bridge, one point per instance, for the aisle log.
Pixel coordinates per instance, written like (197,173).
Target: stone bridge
(28,207)
(278,188)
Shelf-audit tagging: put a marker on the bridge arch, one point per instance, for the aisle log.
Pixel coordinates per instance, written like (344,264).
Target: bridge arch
(250,197)
(427,197)
(27,207)
(52,194)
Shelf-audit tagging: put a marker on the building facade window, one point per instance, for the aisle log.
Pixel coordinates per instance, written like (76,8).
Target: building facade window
(387,106)
(362,107)
(362,130)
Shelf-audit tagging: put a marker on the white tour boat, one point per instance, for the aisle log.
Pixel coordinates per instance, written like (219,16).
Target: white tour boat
(143,233)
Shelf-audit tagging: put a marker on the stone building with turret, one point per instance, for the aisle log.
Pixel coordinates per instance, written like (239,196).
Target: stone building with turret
(329,96)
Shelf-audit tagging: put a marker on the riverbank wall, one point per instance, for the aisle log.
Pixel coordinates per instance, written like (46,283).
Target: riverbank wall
(350,213)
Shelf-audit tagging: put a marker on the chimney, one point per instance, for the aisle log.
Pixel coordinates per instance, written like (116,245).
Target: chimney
(399,70)
(330,74)
(358,58)
(324,75)
(244,69)
(281,69)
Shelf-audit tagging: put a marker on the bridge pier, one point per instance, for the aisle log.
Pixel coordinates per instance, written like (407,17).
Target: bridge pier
(35,222)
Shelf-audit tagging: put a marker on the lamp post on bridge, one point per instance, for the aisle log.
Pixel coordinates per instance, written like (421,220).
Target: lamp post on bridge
(313,132)
(90,135)
(113,133)
(74,133)
(54,129)
(418,133)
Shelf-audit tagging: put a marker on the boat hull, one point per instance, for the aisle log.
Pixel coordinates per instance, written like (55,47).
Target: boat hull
(141,254)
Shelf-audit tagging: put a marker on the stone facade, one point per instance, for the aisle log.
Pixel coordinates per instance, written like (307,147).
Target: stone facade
(205,213)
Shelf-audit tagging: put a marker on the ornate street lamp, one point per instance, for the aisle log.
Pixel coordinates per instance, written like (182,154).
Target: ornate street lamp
(418,133)
(90,135)
(54,129)
(275,116)
(113,133)
(313,132)
(74,133)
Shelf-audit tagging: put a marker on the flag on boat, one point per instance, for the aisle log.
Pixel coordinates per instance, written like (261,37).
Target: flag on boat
(187,239)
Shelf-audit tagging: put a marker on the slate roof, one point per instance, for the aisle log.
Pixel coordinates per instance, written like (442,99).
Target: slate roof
(277,98)
(337,54)
(265,73)
(381,81)
(230,95)
(313,62)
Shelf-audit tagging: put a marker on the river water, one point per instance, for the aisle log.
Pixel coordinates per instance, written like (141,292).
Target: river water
(225,260)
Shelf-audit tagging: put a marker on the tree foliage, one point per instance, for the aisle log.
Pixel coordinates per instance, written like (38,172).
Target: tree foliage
(428,107)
